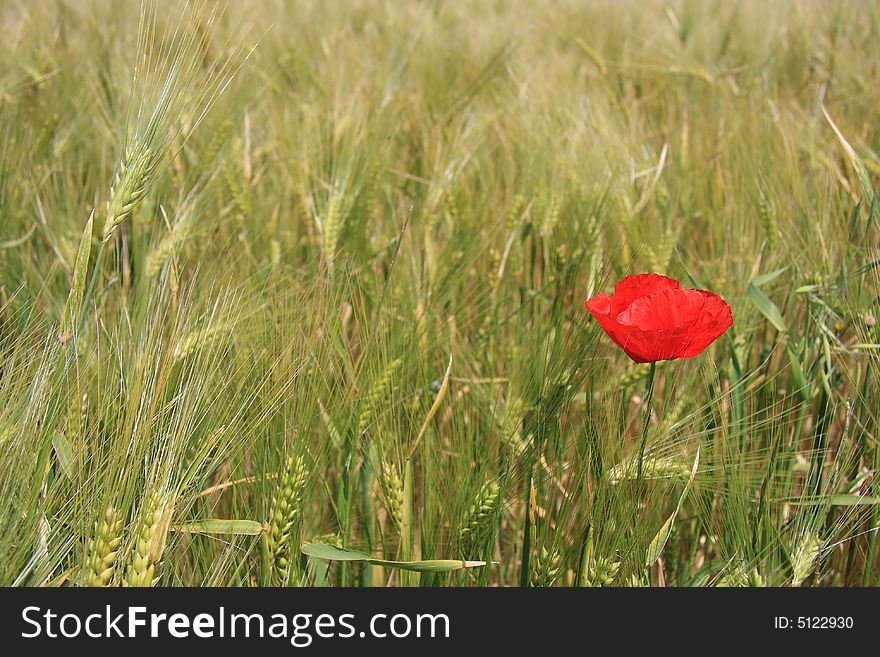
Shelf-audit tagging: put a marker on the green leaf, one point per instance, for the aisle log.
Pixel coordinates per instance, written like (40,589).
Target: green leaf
(77,288)
(655,549)
(64,454)
(220,526)
(763,279)
(797,375)
(766,307)
(433,410)
(332,553)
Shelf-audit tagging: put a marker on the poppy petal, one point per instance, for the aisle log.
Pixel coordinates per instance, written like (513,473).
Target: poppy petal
(600,309)
(640,285)
(605,308)
(715,319)
(674,324)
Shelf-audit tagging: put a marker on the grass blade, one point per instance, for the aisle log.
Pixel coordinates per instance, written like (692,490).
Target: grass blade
(220,526)
(332,553)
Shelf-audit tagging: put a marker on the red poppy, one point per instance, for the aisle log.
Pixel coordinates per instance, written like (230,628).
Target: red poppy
(652,318)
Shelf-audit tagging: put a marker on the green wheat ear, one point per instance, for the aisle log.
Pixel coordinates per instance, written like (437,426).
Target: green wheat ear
(658,258)
(391,490)
(804,557)
(548,567)
(333,223)
(149,542)
(633,375)
(100,561)
(510,426)
(166,249)
(128,188)
(551,217)
(377,394)
(603,572)
(482,510)
(217,142)
(202,339)
(285,512)
(638,581)
(741,577)
(239,194)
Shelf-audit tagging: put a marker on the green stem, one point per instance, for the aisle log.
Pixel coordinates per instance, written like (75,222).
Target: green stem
(346,501)
(406,551)
(526,542)
(265,560)
(582,576)
(648,396)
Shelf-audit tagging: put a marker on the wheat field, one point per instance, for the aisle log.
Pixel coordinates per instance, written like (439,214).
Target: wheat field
(292,293)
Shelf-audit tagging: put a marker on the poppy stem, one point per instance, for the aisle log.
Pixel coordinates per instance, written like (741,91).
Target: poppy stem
(648,396)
